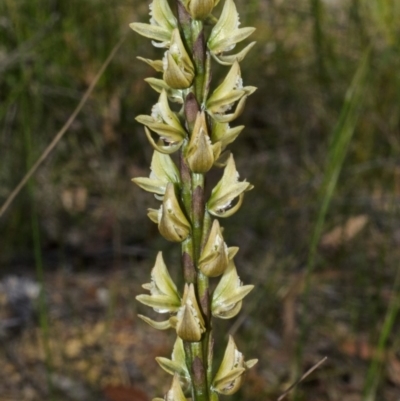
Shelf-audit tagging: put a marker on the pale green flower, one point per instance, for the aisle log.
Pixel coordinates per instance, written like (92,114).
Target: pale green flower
(201,153)
(163,171)
(229,377)
(177,65)
(164,295)
(162,23)
(214,258)
(226,191)
(227,94)
(190,323)
(172,223)
(226,34)
(227,297)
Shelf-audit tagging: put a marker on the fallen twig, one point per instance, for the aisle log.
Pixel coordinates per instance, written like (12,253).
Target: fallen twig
(63,130)
(309,371)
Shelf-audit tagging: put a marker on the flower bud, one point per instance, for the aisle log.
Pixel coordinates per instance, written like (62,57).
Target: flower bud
(214,258)
(229,377)
(227,189)
(178,67)
(190,324)
(172,223)
(227,297)
(200,9)
(164,295)
(201,153)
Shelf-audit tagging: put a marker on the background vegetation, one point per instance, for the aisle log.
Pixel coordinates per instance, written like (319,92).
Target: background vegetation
(320,232)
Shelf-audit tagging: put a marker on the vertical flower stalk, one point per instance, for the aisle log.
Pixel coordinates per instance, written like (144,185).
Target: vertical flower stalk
(194,121)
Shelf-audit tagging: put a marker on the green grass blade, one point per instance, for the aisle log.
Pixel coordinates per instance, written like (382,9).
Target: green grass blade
(374,372)
(341,138)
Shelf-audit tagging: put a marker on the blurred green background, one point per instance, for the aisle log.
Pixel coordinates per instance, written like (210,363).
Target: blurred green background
(319,234)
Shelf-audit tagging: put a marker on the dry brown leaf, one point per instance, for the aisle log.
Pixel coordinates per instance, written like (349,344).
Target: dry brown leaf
(345,232)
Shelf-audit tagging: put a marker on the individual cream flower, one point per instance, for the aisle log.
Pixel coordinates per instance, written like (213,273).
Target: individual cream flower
(164,295)
(177,364)
(229,377)
(227,94)
(177,65)
(172,223)
(226,191)
(163,171)
(214,258)
(166,124)
(226,33)
(227,297)
(190,323)
(162,23)
(201,153)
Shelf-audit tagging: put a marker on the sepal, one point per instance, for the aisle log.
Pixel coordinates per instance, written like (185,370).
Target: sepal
(175,393)
(156,64)
(223,133)
(164,325)
(231,58)
(175,95)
